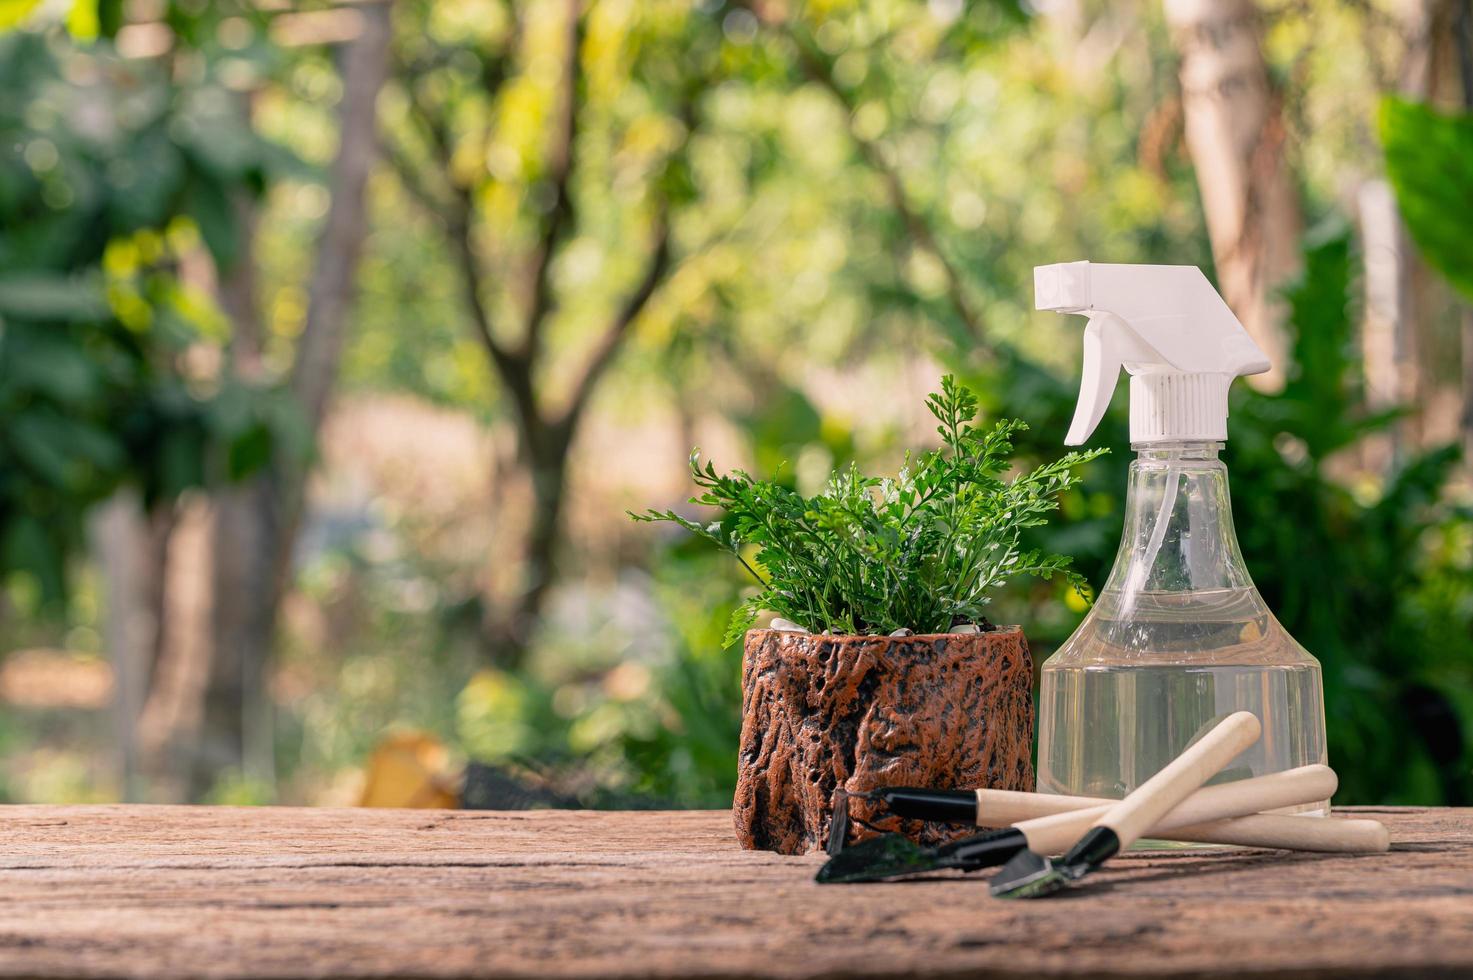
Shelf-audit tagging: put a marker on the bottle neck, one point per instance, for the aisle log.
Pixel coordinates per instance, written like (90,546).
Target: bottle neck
(1178,534)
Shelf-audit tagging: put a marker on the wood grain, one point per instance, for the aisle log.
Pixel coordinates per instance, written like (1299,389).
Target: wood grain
(220,892)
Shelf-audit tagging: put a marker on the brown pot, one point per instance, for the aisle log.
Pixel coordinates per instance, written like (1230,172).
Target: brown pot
(944,710)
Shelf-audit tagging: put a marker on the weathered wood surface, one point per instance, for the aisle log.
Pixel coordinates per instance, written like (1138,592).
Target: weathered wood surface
(217,892)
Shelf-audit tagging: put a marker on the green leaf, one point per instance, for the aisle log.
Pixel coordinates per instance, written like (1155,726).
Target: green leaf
(109,17)
(47,362)
(1324,369)
(35,446)
(61,450)
(181,462)
(28,547)
(221,143)
(1429,159)
(209,205)
(39,296)
(741,621)
(144,193)
(249,452)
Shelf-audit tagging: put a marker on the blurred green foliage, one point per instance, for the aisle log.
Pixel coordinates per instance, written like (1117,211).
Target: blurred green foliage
(660,728)
(108,173)
(1350,574)
(802,308)
(1429,158)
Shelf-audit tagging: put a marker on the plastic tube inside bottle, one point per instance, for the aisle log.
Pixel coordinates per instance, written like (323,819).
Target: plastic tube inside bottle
(1140,569)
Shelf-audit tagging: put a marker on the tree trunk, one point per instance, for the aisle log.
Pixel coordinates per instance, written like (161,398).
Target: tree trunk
(256,523)
(1388,357)
(167,727)
(242,538)
(1392,345)
(132,549)
(1235,135)
(365,69)
(544,433)
(235,733)
(510,632)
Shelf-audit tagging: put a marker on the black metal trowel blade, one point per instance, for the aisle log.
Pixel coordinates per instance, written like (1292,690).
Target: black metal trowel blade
(876,859)
(894,856)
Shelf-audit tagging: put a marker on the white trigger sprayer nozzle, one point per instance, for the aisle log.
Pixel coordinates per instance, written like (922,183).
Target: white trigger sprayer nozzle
(1169,329)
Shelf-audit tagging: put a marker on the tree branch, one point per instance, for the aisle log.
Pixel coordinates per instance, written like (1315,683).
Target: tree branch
(408,173)
(603,352)
(331,292)
(608,345)
(559,171)
(820,71)
(514,371)
(513,367)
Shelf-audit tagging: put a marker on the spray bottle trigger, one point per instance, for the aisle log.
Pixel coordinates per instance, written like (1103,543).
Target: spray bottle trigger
(1109,343)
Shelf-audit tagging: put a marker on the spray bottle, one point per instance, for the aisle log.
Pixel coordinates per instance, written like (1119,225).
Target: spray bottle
(1178,636)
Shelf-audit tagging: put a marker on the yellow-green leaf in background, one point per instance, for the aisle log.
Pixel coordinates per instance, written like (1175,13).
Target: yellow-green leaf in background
(86,20)
(82,20)
(14,12)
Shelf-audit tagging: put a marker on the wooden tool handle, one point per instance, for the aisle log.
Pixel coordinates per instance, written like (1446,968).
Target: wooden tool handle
(1056,833)
(1291,833)
(1163,792)
(1292,787)
(1308,784)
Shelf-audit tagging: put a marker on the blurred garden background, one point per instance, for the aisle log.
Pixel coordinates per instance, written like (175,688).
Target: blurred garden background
(337,338)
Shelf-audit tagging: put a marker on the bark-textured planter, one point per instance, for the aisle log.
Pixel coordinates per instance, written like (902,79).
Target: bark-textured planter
(818,712)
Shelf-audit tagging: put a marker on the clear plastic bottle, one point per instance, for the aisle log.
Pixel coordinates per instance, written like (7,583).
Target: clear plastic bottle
(1179,636)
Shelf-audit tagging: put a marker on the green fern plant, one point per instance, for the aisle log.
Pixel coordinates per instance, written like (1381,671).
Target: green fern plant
(923,550)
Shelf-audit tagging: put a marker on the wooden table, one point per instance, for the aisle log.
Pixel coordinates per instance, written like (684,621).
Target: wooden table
(219,892)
